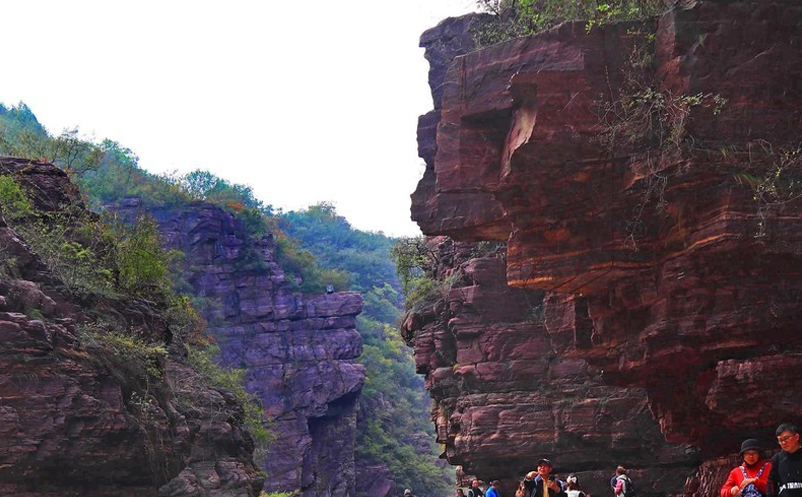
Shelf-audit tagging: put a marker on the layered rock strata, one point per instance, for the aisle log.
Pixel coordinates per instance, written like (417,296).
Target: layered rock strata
(75,420)
(300,351)
(508,388)
(682,268)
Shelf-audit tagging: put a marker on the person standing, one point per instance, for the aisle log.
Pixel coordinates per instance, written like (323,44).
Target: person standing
(751,478)
(541,483)
(785,477)
(475,491)
(622,485)
(614,480)
(492,491)
(572,488)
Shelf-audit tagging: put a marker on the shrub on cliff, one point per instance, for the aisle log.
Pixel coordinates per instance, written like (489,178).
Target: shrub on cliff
(90,256)
(14,201)
(133,360)
(201,357)
(417,260)
(514,18)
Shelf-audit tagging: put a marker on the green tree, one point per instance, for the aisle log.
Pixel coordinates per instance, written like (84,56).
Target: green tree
(141,264)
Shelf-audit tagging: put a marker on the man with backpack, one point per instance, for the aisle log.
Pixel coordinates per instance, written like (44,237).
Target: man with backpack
(621,483)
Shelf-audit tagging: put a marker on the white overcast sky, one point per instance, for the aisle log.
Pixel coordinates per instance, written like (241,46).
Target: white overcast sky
(305,101)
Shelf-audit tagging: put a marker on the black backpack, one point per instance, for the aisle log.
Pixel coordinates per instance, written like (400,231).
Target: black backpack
(629,486)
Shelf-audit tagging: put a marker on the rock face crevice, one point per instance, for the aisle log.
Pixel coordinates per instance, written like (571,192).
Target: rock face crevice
(662,274)
(300,351)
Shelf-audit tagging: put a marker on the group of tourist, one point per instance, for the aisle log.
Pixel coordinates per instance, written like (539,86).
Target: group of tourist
(755,477)
(779,477)
(542,483)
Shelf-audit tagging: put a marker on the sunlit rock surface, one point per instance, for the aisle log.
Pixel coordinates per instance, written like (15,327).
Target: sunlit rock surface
(686,287)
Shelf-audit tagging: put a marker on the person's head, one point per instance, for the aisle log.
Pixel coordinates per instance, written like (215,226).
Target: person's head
(495,483)
(788,437)
(407,492)
(460,493)
(620,470)
(544,467)
(572,481)
(750,451)
(475,483)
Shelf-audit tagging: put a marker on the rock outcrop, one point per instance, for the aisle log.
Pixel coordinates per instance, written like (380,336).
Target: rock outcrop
(509,388)
(300,351)
(79,419)
(670,261)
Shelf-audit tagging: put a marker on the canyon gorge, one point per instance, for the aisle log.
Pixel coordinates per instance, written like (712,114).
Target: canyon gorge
(613,245)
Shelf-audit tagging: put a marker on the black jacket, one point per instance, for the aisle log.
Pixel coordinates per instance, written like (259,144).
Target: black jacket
(785,478)
(534,488)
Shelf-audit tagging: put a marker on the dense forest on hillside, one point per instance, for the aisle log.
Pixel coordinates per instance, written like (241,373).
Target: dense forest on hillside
(315,247)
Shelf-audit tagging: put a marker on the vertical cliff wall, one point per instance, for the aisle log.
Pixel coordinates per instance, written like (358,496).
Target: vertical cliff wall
(300,351)
(509,388)
(666,267)
(79,419)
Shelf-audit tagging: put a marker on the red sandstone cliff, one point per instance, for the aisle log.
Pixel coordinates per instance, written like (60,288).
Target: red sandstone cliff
(662,272)
(509,387)
(73,423)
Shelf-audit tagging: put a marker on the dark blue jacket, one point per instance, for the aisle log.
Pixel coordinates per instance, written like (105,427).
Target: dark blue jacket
(534,487)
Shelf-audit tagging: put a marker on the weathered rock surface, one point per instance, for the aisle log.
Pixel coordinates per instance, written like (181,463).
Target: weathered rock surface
(374,480)
(508,390)
(660,267)
(74,422)
(300,351)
